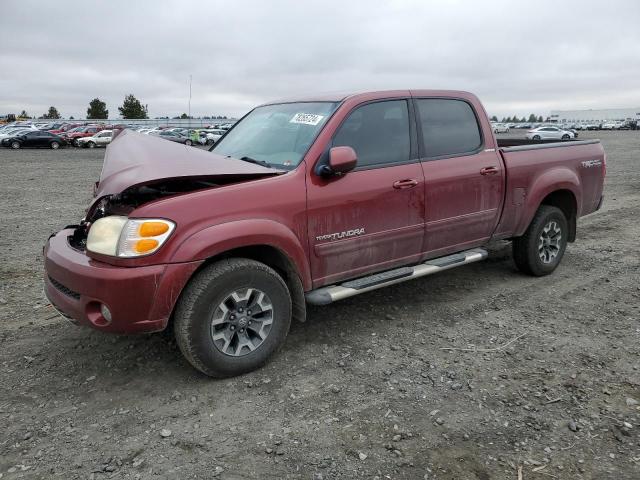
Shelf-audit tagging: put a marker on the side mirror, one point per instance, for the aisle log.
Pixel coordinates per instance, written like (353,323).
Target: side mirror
(341,161)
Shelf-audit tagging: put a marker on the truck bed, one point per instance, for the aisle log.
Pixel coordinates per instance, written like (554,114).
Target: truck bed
(537,168)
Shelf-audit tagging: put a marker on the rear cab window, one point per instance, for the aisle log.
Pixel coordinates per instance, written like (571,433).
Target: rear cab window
(449,127)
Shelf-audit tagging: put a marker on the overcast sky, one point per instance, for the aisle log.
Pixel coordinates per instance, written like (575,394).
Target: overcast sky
(518,56)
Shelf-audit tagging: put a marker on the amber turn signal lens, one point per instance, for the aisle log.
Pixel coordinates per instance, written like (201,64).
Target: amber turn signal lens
(146,245)
(153,229)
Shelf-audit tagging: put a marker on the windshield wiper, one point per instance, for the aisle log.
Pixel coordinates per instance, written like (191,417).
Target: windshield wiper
(257,162)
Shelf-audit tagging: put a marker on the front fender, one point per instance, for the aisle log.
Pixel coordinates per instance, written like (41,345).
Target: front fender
(559,178)
(223,237)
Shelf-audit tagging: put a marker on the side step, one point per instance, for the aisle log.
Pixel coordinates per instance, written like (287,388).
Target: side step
(333,293)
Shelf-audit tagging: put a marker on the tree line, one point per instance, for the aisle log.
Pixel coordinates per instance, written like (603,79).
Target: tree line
(532,119)
(131,109)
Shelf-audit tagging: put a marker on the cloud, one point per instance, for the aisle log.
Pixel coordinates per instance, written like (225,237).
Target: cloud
(517,56)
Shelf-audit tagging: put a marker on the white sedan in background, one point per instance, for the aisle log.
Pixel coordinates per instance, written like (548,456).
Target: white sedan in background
(100,139)
(213,134)
(550,133)
(500,128)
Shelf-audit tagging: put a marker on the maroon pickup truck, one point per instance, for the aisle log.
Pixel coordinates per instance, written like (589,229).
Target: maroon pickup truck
(309,200)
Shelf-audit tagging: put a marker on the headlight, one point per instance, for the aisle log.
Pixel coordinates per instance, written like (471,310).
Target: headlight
(123,237)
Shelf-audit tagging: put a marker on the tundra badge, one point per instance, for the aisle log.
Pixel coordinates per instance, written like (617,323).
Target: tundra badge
(591,163)
(337,236)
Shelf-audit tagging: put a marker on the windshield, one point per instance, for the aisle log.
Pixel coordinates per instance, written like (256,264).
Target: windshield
(279,134)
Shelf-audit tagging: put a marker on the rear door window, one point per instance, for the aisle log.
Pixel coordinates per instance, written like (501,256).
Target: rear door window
(449,127)
(378,132)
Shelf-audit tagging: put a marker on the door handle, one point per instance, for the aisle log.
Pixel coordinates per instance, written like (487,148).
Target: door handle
(407,183)
(492,170)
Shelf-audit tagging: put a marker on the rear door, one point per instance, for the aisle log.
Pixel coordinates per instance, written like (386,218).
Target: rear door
(372,218)
(464,182)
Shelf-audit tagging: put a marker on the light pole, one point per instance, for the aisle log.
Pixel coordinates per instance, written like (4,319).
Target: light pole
(190,78)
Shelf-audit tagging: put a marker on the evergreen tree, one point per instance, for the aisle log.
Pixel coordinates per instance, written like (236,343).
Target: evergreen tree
(52,114)
(97,109)
(132,108)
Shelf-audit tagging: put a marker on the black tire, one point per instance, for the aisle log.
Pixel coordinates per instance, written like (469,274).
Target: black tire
(188,142)
(91,145)
(75,143)
(193,327)
(565,137)
(536,137)
(526,253)
(55,145)
(15,145)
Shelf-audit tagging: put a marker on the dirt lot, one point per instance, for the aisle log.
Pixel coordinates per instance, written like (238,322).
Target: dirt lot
(364,389)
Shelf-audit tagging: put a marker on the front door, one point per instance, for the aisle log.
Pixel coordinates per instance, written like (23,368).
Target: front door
(372,218)
(463,182)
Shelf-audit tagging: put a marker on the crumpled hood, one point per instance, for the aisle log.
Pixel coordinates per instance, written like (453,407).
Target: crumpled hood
(134,159)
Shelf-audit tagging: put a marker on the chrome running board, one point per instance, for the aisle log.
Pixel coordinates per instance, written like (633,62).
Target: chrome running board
(333,293)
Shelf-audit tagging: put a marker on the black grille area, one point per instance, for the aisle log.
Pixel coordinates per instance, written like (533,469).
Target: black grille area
(67,291)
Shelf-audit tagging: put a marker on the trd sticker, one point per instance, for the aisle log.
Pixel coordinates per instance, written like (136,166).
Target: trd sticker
(591,163)
(306,118)
(338,235)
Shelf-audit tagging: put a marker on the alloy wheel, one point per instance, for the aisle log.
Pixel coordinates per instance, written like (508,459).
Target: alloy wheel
(549,242)
(241,322)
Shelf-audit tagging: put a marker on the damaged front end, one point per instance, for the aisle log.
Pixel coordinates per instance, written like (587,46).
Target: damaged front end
(139,169)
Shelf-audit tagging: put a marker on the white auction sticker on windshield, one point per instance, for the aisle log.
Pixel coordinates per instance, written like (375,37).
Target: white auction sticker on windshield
(307,118)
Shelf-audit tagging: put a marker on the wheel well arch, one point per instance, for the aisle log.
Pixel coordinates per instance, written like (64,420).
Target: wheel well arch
(566,201)
(276,259)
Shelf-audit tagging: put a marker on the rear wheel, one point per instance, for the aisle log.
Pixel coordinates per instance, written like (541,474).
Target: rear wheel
(55,145)
(539,251)
(15,145)
(75,143)
(188,142)
(232,317)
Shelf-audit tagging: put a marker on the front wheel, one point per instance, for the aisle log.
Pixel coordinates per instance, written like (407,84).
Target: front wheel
(15,145)
(536,137)
(539,251)
(91,145)
(55,145)
(232,317)
(565,137)
(188,142)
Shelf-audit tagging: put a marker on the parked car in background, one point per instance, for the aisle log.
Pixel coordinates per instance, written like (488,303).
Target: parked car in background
(80,132)
(500,128)
(52,126)
(214,134)
(65,128)
(19,125)
(548,133)
(592,126)
(12,132)
(35,139)
(100,139)
(608,126)
(173,137)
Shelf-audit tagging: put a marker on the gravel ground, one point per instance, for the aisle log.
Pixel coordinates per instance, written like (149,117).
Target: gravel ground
(544,378)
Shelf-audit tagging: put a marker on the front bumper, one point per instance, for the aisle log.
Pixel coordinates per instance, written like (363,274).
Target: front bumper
(140,299)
